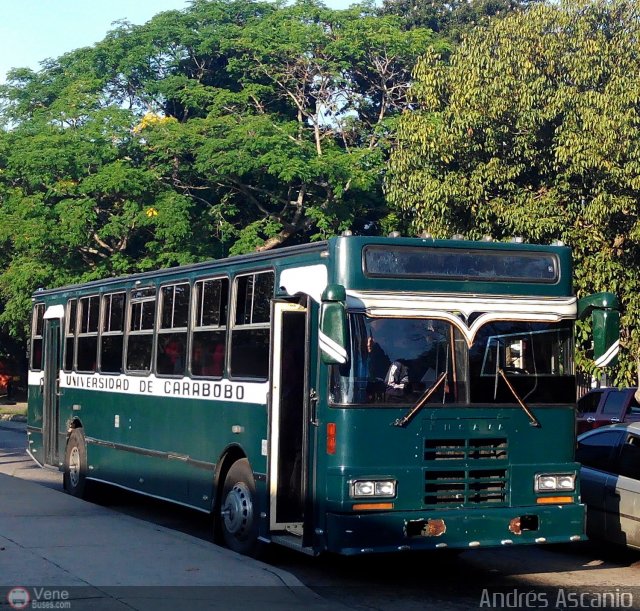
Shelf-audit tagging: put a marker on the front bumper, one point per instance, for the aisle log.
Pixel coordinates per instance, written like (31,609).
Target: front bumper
(390,531)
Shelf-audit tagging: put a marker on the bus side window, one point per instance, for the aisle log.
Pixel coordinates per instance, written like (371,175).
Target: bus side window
(37,330)
(139,340)
(87,344)
(70,334)
(112,336)
(250,336)
(208,345)
(172,332)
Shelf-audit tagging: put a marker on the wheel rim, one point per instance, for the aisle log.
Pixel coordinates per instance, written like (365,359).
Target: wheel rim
(74,467)
(237,511)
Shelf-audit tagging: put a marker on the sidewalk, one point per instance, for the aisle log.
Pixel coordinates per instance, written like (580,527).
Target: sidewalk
(98,559)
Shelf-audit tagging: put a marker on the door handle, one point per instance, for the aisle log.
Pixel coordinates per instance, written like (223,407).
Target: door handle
(313,403)
(615,420)
(42,386)
(591,419)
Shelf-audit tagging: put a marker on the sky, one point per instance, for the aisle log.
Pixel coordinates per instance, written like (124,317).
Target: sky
(34,30)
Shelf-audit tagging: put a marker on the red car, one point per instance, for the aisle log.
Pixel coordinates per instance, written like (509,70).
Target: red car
(603,406)
(8,378)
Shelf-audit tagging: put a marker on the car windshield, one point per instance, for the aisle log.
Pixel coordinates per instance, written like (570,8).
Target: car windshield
(396,360)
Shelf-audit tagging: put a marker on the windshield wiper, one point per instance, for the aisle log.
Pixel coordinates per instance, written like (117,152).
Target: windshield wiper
(533,420)
(421,401)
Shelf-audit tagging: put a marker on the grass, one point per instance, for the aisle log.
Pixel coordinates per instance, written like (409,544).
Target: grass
(13,409)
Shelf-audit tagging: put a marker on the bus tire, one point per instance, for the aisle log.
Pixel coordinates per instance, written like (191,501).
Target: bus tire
(75,465)
(238,510)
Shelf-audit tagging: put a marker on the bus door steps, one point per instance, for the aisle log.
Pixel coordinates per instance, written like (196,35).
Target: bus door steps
(292,542)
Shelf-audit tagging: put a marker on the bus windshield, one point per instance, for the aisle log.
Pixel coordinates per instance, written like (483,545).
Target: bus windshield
(394,361)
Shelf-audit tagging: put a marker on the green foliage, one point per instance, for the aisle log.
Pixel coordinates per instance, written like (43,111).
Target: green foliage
(453,17)
(532,129)
(233,125)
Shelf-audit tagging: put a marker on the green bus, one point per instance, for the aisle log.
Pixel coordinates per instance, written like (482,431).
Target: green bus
(362,394)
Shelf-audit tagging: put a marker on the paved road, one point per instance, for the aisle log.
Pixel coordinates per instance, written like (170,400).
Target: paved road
(406,582)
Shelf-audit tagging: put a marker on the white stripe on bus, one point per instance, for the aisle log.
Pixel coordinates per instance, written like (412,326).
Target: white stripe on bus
(337,355)
(187,388)
(609,355)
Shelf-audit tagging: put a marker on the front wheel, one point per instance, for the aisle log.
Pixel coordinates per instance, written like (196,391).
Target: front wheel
(75,465)
(238,511)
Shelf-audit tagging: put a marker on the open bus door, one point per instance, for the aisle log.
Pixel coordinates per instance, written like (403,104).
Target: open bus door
(50,389)
(288,449)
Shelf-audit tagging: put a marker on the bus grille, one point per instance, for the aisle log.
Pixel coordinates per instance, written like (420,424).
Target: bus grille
(479,480)
(466,449)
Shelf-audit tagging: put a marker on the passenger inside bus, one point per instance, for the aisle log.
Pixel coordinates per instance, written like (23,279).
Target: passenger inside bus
(208,360)
(171,357)
(397,380)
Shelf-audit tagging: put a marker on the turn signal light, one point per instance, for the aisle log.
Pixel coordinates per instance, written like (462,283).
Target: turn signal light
(331,437)
(370,506)
(554,500)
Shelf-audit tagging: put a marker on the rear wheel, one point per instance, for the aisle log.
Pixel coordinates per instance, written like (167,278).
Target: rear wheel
(75,465)
(238,511)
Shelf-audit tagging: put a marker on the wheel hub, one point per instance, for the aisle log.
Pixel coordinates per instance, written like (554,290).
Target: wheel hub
(74,467)
(237,510)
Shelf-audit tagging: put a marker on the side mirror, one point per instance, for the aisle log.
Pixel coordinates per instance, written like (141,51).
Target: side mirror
(604,309)
(332,337)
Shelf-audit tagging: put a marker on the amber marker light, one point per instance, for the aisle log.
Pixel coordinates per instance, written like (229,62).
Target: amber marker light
(371,506)
(554,500)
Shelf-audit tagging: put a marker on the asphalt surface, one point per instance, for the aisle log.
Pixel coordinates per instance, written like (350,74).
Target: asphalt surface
(66,553)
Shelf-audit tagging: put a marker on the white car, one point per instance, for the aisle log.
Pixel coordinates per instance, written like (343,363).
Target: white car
(610,482)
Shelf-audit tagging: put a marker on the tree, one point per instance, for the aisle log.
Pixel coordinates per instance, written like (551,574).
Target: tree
(451,18)
(293,146)
(532,130)
(231,126)
(74,191)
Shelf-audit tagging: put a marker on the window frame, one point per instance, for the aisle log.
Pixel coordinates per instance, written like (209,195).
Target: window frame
(197,305)
(87,334)
(250,326)
(106,318)
(70,334)
(162,331)
(35,319)
(129,332)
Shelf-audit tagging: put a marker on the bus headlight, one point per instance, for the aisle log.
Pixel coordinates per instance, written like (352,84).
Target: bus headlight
(371,488)
(554,482)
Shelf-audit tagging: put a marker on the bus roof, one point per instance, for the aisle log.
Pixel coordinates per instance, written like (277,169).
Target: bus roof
(390,264)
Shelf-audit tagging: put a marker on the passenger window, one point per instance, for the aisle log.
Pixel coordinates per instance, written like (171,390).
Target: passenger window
(172,334)
(614,403)
(250,336)
(634,406)
(629,463)
(87,344)
(597,450)
(37,330)
(142,311)
(112,337)
(210,327)
(70,334)
(589,403)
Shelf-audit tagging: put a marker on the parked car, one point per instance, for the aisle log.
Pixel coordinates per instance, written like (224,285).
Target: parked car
(8,378)
(603,406)
(610,482)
